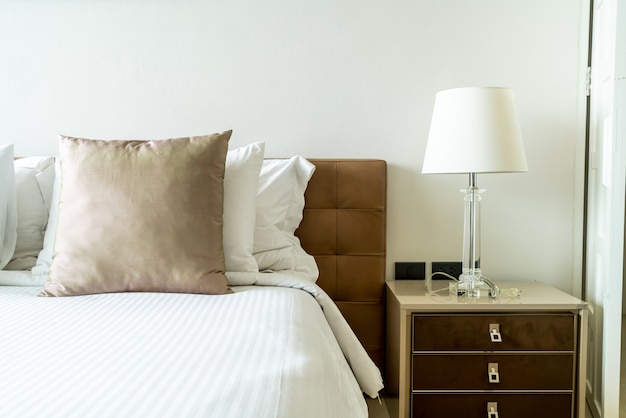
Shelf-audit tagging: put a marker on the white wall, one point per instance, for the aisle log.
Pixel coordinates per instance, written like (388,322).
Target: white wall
(324,78)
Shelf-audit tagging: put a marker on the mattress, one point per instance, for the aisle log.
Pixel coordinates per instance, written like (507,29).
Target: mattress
(278,348)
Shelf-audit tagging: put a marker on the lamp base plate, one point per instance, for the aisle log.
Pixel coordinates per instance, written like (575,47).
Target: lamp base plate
(475,287)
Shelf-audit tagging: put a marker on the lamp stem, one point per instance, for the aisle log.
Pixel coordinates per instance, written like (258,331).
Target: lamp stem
(471,278)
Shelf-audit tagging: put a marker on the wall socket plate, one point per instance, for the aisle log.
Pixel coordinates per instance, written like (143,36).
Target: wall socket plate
(410,270)
(453,268)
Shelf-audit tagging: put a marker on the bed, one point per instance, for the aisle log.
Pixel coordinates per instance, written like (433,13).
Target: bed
(267,338)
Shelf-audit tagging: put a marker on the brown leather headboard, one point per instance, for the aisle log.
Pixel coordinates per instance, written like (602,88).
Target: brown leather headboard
(344,228)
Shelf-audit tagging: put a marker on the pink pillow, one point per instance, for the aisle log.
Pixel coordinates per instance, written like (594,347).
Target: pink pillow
(141,216)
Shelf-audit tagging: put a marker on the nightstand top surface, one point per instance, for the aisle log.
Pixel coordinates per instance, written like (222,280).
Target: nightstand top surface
(412,295)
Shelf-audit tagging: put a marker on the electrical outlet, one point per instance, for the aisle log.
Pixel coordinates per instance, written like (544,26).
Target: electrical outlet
(453,268)
(410,271)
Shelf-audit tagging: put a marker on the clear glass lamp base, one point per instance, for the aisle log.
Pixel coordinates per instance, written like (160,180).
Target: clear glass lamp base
(474,286)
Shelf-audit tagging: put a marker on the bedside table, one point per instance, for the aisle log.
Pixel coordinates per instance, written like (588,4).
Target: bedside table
(451,356)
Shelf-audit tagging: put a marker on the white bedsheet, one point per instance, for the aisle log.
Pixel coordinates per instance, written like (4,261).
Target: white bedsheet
(264,351)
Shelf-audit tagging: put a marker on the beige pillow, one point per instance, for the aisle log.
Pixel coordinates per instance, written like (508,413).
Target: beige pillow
(140,216)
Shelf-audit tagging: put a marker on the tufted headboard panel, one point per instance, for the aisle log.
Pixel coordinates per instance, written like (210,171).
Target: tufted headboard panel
(344,228)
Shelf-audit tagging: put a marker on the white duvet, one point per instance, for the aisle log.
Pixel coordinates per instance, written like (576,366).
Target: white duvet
(275,349)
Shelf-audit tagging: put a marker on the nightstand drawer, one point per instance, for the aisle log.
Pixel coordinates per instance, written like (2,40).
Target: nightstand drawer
(518,332)
(508,405)
(472,372)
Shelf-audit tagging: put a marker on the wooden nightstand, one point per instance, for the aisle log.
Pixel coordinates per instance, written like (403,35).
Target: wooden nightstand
(456,357)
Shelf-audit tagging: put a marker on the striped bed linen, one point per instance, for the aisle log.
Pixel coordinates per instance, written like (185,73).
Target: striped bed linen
(264,351)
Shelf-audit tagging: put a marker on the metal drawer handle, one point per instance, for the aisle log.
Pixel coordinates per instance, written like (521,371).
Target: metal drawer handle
(492,410)
(494,333)
(493,373)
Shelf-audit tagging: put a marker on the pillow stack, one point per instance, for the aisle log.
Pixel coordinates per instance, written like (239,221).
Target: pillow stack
(178,215)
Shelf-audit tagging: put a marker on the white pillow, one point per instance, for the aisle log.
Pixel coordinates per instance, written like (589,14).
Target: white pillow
(240,187)
(34,177)
(280,202)
(41,269)
(8,209)
(243,166)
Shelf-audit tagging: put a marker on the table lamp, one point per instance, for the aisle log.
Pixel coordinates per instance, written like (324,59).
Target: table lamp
(474,130)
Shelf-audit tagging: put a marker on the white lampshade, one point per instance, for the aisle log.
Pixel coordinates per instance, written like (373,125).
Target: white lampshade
(474,130)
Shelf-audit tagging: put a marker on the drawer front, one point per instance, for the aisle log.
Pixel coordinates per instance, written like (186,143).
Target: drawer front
(467,332)
(476,405)
(472,372)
